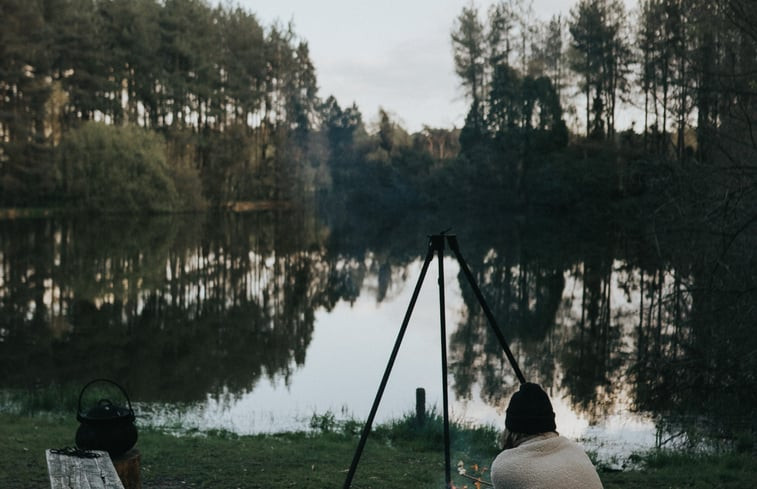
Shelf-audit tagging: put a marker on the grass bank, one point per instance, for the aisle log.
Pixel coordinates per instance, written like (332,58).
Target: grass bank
(396,455)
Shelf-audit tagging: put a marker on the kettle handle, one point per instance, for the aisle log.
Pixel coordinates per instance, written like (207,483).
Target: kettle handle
(78,409)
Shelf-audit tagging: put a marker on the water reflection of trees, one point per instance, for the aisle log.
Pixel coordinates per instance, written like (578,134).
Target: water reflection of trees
(179,307)
(174,307)
(604,320)
(524,275)
(696,358)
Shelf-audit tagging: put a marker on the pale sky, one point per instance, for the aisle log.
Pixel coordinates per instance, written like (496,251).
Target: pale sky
(386,53)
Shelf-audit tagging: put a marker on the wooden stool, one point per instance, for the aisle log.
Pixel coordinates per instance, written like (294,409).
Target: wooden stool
(128,469)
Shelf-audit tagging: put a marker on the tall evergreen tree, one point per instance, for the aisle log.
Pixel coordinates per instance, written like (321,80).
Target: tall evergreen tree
(601,56)
(469,53)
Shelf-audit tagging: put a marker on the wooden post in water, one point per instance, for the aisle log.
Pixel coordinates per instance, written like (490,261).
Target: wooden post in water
(420,406)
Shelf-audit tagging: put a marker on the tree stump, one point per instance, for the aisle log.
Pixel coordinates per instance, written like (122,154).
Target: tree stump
(128,469)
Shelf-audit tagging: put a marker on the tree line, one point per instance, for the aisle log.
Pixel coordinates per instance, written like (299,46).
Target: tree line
(542,128)
(228,110)
(687,67)
(171,105)
(220,89)
(682,62)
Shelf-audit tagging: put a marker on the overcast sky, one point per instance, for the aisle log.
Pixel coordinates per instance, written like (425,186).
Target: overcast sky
(394,54)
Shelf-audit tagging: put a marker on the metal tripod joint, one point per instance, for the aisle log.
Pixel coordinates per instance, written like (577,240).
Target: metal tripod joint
(436,241)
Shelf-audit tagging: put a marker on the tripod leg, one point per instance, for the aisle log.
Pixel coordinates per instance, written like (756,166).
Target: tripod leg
(385,379)
(445,399)
(452,240)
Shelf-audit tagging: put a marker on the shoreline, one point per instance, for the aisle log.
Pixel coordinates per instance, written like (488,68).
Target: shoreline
(235,207)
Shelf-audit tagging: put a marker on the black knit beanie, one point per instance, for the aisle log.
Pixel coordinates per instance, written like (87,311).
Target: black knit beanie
(530,411)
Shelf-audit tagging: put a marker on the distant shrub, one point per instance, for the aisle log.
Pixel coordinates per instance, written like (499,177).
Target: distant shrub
(325,423)
(116,169)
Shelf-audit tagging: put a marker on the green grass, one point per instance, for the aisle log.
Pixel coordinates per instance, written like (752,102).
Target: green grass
(397,455)
(671,470)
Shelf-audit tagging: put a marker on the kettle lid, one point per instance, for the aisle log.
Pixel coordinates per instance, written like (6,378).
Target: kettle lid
(105,410)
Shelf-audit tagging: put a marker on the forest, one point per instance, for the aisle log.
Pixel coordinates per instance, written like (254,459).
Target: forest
(156,106)
(197,105)
(686,65)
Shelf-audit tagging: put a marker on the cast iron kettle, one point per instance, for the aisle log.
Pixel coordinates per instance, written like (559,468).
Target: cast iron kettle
(106,426)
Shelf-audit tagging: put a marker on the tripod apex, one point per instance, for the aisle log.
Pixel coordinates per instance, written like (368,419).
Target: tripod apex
(442,234)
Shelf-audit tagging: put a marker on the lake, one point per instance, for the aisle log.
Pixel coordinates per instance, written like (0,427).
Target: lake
(255,322)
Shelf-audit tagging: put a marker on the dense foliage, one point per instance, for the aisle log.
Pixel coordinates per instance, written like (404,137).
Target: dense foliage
(136,178)
(238,108)
(689,64)
(686,65)
(222,90)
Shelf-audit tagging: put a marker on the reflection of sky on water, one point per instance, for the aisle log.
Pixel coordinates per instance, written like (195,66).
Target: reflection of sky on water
(347,357)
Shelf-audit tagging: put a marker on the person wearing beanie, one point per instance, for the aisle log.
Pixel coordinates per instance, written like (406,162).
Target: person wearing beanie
(534,455)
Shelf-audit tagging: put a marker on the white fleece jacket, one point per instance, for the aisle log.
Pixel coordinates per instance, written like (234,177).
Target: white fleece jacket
(547,461)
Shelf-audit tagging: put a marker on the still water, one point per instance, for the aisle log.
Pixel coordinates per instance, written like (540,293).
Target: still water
(254,323)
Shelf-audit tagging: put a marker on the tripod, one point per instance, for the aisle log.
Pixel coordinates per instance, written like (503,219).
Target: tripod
(435,246)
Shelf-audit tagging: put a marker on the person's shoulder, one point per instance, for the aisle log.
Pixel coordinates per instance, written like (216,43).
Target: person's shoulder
(579,467)
(571,449)
(568,443)
(509,466)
